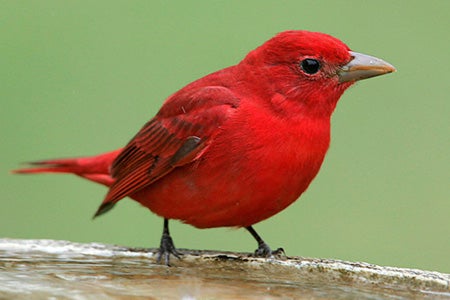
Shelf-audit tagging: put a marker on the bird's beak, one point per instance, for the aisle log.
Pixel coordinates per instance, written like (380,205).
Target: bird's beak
(363,66)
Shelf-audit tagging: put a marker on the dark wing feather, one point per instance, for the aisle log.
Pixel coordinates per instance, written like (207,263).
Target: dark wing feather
(177,135)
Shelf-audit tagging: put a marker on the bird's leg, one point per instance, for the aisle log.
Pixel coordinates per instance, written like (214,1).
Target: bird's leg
(167,247)
(263,249)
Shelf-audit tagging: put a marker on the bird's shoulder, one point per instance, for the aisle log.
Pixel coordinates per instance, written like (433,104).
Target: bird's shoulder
(177,135)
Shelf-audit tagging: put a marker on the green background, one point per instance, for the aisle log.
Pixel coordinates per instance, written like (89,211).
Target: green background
(81,77)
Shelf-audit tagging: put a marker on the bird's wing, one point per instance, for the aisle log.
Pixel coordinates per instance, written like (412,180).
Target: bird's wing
(177,135)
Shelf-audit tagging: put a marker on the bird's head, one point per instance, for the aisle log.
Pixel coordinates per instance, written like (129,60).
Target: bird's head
(311,69)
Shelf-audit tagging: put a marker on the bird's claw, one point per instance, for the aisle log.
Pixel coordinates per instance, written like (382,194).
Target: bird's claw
(166,248)
(279,253)
(265,251)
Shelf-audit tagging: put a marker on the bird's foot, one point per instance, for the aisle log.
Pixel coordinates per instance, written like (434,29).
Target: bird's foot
(166,248)
(265,251)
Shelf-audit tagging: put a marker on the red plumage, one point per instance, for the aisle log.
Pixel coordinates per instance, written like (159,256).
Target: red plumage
(239,145)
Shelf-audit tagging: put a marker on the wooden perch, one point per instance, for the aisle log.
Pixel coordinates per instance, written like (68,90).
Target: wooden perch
(61,269)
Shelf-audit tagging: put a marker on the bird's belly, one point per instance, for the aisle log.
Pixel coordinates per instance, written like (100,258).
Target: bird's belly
(235,186)
(217,201)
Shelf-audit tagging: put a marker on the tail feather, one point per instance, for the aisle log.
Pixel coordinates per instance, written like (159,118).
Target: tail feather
(94,168)
(51,166)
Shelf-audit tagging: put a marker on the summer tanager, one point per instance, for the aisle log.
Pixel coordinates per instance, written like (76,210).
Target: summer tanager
(237,146)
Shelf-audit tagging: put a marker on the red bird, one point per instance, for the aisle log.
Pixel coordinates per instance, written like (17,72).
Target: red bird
(236,146)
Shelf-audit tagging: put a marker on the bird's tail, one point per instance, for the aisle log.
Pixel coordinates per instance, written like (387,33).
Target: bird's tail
(94,168)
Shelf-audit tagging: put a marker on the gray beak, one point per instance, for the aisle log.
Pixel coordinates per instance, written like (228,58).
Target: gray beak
(363,66)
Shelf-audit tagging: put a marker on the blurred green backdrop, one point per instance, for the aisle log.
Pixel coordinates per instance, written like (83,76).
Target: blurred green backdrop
(81,77)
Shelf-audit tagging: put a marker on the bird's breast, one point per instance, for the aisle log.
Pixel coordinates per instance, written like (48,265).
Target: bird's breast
(256,166)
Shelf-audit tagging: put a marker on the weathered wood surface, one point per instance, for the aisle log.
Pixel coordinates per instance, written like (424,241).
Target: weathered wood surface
(44,269)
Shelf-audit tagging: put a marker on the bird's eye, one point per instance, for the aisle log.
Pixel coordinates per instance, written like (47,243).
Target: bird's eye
(310,66)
